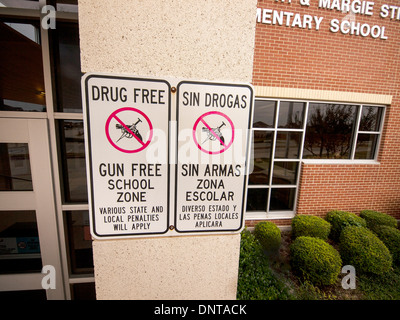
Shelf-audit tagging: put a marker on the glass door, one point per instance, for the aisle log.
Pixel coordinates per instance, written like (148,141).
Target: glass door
(28,223)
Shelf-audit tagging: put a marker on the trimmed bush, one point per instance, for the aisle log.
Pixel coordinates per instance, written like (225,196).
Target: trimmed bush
(362,249)
(311,226)
(391,238)
(374,218)
(269,235)
(256,280)
(342,219)
(315,260)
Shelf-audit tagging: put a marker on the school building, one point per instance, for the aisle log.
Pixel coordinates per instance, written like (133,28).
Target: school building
(324,136)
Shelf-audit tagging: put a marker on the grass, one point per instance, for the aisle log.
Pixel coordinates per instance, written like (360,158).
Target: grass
(265,276)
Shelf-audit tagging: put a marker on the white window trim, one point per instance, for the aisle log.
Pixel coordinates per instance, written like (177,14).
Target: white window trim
(339,161)
(272,215)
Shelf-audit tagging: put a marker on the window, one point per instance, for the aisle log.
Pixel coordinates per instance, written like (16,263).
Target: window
(285,132)
(257,199)
(291,114)
(21,65)
(83,291)
(285,172)
(23,4)
(73,161)
(66,52)
(369,132)
(329,132)
(288,145)
(264,114)
(80,242)
(15,169)
(261,157)
(19,242)
(277,137)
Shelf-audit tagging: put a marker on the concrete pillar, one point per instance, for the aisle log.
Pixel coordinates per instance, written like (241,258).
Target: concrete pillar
(191,39)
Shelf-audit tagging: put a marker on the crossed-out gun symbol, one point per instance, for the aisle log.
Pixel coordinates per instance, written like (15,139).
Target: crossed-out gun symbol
(128,134)
(217,131)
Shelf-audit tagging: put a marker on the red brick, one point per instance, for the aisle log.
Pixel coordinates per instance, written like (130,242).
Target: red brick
(322,60)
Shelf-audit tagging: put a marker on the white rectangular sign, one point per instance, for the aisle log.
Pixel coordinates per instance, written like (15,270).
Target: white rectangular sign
(213,131)
(134,161)
(126,134)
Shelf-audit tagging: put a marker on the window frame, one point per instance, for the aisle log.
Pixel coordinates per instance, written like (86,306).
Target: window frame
(65,13)
(288,214)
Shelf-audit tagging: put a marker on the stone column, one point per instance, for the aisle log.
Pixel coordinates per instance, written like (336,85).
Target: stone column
(194,40)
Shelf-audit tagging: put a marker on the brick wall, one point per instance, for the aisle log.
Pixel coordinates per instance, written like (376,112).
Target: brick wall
(279,222)
(310,59)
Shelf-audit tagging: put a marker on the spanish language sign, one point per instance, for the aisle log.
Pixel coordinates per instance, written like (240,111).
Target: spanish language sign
(126,134)
(213,124)
(145,179)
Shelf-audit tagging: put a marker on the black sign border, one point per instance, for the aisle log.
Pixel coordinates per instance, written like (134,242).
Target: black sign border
(247,152)
(87,120)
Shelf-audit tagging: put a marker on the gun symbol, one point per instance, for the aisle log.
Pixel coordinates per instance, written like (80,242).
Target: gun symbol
(217,131)
(128,134)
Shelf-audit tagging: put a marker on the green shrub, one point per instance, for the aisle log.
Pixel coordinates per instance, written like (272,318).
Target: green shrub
(362,249)
(315,260)
(311,226)
(341,219)
(391,238)
(374,218)
(256,280)
(269,235)
(307,291)
(384,287)
(250,249)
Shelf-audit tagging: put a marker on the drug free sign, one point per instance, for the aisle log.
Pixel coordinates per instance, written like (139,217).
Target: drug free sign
(165,157)
(125,121)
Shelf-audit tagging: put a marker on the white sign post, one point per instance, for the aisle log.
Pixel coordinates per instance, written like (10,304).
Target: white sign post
(213,131)
(126,134)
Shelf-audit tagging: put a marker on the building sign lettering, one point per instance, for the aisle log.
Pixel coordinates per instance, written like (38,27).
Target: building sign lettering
(347,25)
